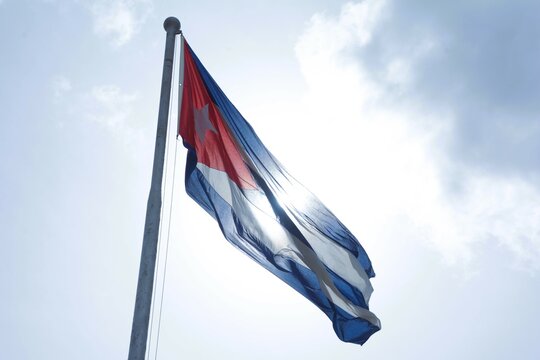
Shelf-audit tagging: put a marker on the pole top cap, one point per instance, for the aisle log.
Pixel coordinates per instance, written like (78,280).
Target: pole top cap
(172,24)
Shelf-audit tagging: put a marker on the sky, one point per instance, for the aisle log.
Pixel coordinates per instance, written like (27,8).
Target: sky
(415,122)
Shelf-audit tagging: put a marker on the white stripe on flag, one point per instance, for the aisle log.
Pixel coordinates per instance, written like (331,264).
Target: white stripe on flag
(259,220)
(338,259)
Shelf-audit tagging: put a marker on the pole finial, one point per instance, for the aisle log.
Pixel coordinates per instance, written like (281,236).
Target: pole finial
(172,24)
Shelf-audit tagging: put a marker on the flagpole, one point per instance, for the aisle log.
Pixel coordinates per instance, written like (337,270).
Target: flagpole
(145,284)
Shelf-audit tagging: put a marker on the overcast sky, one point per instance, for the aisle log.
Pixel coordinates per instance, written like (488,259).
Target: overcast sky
(416,122)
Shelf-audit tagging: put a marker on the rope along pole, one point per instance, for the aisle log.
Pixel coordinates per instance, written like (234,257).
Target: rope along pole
(160,237)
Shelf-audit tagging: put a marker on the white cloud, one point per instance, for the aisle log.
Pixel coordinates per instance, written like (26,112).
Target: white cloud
(397,145)
(60,86)
(107,106)
(117,112)
(112,107)
(119,20)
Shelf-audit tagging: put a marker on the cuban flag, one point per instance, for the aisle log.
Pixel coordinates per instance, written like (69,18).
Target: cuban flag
(265,212)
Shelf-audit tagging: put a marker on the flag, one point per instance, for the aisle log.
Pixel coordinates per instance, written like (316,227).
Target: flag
(265,212)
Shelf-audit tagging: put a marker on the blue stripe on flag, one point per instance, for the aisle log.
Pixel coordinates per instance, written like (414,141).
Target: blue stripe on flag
(300,278)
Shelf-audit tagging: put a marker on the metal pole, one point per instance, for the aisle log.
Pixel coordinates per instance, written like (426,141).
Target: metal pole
(143,301)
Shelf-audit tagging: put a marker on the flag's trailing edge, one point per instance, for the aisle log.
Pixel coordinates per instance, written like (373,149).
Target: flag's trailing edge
(262,210)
